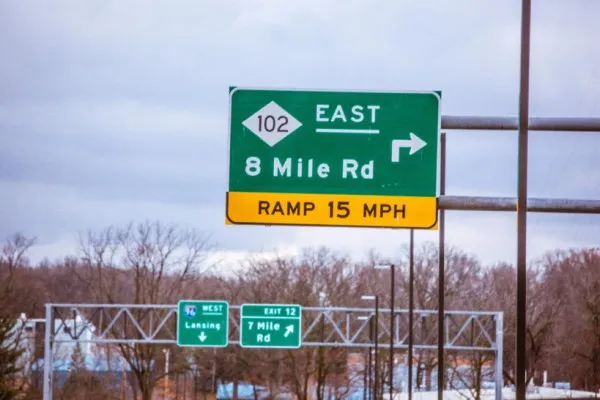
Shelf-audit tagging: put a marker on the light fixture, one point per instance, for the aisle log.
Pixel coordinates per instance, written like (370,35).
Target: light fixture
(382,266)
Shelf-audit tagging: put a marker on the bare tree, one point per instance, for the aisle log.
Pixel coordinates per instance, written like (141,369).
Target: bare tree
(544,309)
(468,370)
(13,262)
(82,384)
(576,278)
(467,373)
(462,270)
(152,263)
(145,263)
(545,304)
(316,277)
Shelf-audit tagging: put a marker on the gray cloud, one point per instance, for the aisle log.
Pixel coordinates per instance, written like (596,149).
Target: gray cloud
(112,110)
(119,151)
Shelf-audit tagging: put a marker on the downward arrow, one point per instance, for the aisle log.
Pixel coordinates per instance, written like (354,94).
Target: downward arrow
(415,144)
(288,330)
(202,337)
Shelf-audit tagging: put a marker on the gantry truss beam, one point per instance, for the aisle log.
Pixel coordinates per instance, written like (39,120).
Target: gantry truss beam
(322,326)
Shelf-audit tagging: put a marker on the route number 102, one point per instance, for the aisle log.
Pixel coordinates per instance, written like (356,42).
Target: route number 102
(269,123)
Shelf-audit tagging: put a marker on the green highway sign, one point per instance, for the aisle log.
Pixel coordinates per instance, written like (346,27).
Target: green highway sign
(333,158)
(271,325)
(202,323)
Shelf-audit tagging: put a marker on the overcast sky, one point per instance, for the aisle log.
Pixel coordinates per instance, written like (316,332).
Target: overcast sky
(116,111)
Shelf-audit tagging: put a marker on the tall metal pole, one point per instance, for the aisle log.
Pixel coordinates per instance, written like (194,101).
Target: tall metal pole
(376,378)
(499,355)
(370,380)
(411,306)
(185,374)
(368,388)
(442,272)
(522,201)
(392,320)
(166,351)
(48,353)
(365,372)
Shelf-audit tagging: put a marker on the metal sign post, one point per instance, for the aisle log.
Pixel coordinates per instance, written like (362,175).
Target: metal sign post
(521,346)
(48,362)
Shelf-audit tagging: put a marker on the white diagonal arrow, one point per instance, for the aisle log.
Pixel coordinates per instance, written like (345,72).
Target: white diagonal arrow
(415,144)
(288,330)
(202,337)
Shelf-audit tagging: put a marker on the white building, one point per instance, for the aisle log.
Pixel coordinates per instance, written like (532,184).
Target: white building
(29,331)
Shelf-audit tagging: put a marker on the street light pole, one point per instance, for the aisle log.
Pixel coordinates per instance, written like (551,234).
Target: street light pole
(369,379)
(392,334)
(411,306)
(392,320)
(370,357)
(166,380)
(375,378)
(365,379)
(375,391)
(367,368)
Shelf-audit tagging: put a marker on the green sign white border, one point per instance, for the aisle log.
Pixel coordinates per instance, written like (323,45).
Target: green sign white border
(271,305)
(438,93)
(225,302)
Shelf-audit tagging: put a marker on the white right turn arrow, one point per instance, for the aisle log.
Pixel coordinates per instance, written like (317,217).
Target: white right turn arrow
(415,144)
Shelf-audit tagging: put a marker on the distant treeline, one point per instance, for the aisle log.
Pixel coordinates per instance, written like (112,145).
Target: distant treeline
(157,263)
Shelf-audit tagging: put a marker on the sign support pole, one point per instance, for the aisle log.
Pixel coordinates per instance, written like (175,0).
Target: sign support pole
(376,378)
(365,373)
(392,320)
(370,361)
(499,347)
(522,202)
(48,353)
(442,264)
(411,307)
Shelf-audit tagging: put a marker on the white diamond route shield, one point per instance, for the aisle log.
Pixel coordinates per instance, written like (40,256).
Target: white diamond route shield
(272,123)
